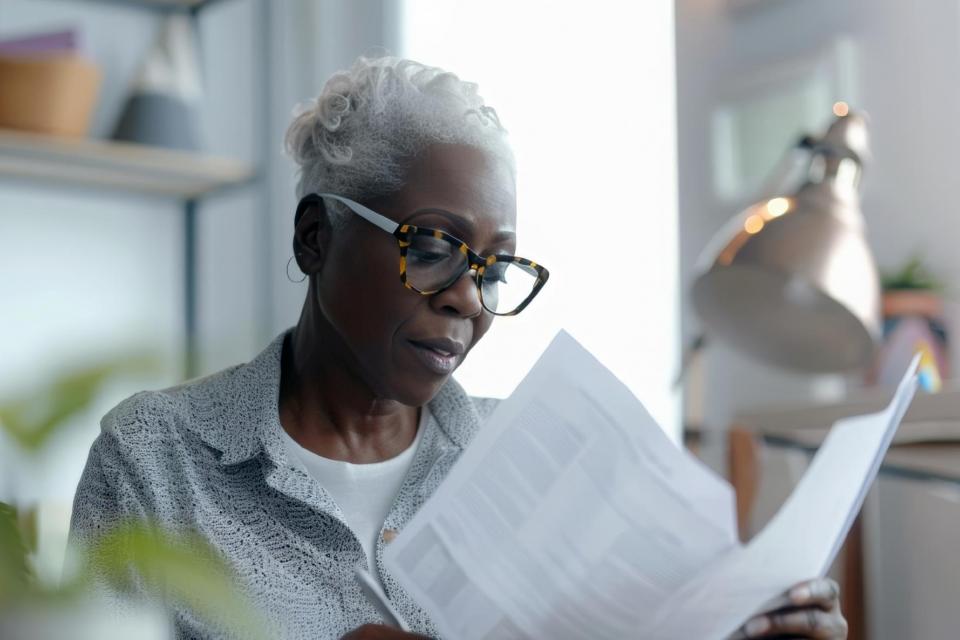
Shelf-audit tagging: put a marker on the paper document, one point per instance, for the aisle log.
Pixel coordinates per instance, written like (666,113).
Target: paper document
(572,515)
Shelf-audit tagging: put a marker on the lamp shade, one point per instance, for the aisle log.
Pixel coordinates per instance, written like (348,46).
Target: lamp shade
(791,280)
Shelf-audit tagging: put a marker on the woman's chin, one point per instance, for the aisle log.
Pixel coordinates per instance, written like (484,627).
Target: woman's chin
(415,389)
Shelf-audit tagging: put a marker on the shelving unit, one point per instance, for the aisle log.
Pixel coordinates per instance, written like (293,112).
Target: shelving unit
(142,169)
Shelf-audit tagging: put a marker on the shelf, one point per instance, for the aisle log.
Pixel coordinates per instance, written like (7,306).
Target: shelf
(116,165)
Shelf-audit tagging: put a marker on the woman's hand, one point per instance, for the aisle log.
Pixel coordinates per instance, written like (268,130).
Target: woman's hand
(809,610)
(381,632)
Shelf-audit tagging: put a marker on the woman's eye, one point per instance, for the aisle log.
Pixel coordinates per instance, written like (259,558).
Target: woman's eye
(428,257)
(429,250)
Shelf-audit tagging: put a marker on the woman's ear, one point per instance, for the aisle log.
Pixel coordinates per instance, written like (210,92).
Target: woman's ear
(311,236)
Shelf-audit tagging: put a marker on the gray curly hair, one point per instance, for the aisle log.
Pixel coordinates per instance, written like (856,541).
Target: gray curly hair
(359,136)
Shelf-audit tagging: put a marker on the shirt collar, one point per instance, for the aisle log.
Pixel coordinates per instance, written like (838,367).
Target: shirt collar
(234,407)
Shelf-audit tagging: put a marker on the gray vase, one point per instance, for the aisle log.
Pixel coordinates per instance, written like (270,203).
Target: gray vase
(159,119)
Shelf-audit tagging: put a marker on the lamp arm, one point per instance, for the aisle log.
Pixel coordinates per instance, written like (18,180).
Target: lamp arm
(796,159)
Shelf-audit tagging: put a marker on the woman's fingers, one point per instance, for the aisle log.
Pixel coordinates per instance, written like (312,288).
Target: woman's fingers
(823,593)
(809,622)
(808,610)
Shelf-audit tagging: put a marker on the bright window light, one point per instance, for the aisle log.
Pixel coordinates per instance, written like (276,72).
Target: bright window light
(587,93)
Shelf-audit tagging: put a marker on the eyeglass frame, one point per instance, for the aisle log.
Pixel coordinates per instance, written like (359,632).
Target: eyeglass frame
(403,232)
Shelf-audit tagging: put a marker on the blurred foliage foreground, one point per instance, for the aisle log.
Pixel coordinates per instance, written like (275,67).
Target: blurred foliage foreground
(131,560)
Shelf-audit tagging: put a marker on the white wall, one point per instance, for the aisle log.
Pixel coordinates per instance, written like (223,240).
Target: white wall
(587,93)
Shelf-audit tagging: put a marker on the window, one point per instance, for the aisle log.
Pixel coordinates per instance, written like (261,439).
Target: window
(587,93)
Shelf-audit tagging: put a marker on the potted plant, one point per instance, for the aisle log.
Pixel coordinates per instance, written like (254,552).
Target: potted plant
(912,290)
(912,323)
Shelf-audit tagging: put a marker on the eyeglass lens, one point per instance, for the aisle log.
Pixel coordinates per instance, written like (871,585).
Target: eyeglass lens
(433,264)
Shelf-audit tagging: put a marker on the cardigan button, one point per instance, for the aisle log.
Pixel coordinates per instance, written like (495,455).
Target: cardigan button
(389,535)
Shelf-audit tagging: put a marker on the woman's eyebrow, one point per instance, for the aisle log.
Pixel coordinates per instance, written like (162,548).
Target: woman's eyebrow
(461,223)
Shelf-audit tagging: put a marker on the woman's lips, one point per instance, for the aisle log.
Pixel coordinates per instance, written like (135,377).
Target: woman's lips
(437,360)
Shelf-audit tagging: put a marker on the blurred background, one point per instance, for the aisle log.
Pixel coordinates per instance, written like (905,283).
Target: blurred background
(146,207)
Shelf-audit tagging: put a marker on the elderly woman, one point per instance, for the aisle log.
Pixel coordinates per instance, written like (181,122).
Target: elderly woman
(299,466)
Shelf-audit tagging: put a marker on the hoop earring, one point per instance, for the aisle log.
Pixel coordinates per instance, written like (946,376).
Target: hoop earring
(288,273)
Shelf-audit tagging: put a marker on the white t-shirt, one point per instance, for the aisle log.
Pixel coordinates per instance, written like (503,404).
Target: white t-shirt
(364,492)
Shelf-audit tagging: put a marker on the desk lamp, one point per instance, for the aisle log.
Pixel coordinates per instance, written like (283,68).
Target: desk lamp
(791,280)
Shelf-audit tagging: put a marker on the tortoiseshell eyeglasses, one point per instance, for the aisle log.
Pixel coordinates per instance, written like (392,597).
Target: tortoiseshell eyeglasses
(432,260)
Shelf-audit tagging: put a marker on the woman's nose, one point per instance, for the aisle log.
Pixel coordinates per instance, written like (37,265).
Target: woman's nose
(462,297)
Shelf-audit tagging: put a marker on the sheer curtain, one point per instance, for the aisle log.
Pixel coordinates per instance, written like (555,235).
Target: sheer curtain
(587,93)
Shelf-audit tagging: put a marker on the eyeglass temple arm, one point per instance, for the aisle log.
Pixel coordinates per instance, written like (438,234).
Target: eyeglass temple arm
(369,215)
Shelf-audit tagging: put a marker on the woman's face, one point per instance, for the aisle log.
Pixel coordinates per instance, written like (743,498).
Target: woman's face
(385,330)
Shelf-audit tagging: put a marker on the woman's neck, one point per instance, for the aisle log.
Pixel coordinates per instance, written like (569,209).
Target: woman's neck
(328,408)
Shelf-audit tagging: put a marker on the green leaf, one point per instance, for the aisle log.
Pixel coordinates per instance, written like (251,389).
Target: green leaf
(913,276)
(34,419)
(15,574)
